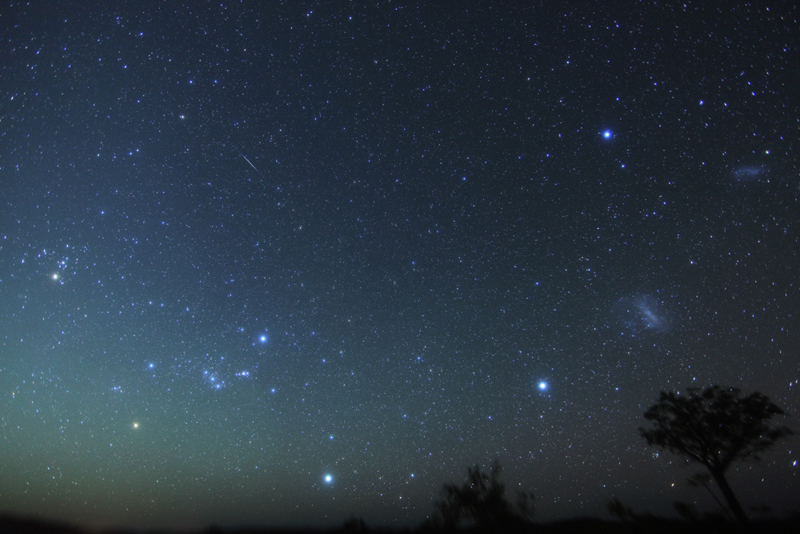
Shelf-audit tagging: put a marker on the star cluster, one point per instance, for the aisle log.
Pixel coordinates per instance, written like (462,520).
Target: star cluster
(284,263)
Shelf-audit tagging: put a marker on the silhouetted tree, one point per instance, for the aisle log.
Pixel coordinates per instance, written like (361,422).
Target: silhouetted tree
(715,428)
(481,499)
(704,479)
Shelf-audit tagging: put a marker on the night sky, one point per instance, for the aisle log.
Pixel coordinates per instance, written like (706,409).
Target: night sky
(281,263)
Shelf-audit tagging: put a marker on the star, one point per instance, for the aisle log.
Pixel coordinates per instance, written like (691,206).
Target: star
(135,425)
(328,479)
(542,386)
(608,134)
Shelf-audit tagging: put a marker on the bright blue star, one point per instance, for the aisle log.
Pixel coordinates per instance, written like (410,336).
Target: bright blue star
(608,134)
(328,479)
(263,338)
(542,386)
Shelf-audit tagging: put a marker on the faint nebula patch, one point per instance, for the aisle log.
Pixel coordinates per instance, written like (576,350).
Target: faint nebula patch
(749,173)
(641,313)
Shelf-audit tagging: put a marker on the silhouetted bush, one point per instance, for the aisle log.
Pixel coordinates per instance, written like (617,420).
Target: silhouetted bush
(481,502)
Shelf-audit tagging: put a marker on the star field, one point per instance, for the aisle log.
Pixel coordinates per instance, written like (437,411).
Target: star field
(291,262)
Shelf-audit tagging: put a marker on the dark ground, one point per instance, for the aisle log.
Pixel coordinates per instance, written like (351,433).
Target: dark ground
(16,525)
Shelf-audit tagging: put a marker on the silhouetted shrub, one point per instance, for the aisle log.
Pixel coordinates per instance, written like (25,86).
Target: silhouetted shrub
(481,502)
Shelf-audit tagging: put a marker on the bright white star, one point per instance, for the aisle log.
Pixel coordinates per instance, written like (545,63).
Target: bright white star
(328,479)
(542,385)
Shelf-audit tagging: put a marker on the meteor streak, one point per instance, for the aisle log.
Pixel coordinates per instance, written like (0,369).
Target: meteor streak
(245,158)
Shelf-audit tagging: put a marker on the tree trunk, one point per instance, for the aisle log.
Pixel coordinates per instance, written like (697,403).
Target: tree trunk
(733,502)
